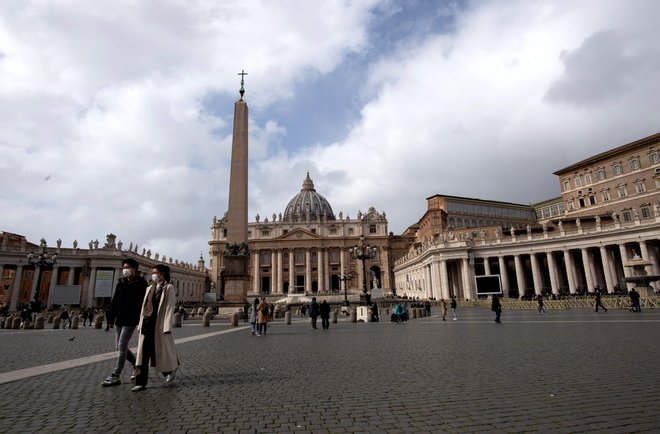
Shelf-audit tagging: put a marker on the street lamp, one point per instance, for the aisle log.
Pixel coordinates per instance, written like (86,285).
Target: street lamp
(362,253)
(41,260)
(344,278)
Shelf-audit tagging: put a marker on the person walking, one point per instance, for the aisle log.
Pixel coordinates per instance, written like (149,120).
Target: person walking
(634,301)
(324,311)
(64,317)
(124,316)
(156,344)
(263,317)
(254,315)
(246,312)
(313,311)
(443,308)
(598,302)
(496,307)
(453,305)
(539,300)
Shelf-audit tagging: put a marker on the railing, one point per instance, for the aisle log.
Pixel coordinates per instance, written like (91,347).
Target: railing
(572,303)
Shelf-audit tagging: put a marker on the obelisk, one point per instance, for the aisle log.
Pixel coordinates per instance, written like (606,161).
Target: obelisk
(236,253)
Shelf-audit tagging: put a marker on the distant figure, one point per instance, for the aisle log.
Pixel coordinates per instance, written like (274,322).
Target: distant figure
(427,307)
(598,302)
(262,318)
(64,317)
(496,307)
(374,312)
(539,300)
(453,307)
(254,316)
(324,311)
(246,312)
(313,311)
(634,301)
(443,307)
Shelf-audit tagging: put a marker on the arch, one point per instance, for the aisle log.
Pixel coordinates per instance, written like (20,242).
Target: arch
(375,277)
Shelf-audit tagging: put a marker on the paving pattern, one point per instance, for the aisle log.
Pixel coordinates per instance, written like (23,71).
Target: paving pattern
(567,371)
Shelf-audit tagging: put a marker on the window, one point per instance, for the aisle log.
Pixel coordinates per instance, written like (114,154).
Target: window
(300,257)
(285,231)
(224,233)
(634,164)
(313,230)
(600,174)
(372,229)
(657,182)
(640,187)
(265,259)
(570,205)
(333,231)
(617,169)
(627,216)
(587,178)
(567,185)
(646,212)
(350,231)
(578,181)
(592,200)
(605,194)
(654,158)
(265,232)
(621,189)
(334,256)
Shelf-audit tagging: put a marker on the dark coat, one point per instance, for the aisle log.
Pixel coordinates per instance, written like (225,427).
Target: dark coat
(324,310)
(496,306)
(127,302)
(313,309)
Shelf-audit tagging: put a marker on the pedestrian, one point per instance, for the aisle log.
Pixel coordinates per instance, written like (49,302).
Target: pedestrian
(374,312)
(427,307)
(313,311)
(443,306)
(156,344)
(539,300)
(246,310)
(634,301)
(263,317)
(598,302)
(64,317)
(254,316)
(324,311)
(453,305)
(124,316)
(496,307)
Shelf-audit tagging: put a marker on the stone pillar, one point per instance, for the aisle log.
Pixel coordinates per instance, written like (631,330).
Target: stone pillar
(570,273)
(326,270)
(16,287)
(627,272)
(273,272)
(651,256)
(644,253)
(486,266)
(552,270)
(429,282)
(292,274)
(587,270)
(69,280)
(319,270)
(385,266)
(520,275)
(256,272)
(467,287)
(91,283)
(536,275)
(444,279)
(506,287)
(51,288)
(280,270)
(435,281)
(308,270)
(606,269)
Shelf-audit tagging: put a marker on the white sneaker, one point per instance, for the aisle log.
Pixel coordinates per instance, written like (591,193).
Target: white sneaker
(137,388)
(170,376)
(455,319)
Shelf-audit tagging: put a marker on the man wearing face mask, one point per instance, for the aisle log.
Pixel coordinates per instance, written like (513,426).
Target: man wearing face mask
(124,315)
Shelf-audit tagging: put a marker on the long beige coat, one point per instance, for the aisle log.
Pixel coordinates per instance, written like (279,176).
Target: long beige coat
(166,358)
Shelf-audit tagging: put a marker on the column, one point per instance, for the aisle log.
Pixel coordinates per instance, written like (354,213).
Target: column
(568,259)
(467,287)
(69,280)
(627,272)
(319,270)
(308,270)
(326,270)
(648,255)
(552,270)
(342,269)
(51,288)
(88,296)
(280,270)
(486,266)
(506,288)
(520,275)
(255,272)
(444,279)
(16,287)
(587,270)
(273,272)
(292,275)
(606,269)
(385,269)
(536,276)
(435,281)
(429,282)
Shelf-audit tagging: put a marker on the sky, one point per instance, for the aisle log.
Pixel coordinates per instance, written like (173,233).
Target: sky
(116,117)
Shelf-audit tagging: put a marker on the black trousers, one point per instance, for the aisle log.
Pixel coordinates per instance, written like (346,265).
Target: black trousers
(325,322)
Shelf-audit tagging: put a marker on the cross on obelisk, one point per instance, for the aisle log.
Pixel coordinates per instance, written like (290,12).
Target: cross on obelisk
(236,253)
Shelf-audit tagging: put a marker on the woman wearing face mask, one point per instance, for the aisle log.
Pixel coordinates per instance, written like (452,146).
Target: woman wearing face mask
(156,344)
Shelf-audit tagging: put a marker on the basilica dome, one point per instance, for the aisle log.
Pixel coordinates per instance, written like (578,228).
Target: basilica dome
(308,204)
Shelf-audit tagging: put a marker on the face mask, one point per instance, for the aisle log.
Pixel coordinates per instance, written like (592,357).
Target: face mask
(127,272)
(154,277)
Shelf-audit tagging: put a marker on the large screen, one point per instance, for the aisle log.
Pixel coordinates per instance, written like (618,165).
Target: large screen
(488,285)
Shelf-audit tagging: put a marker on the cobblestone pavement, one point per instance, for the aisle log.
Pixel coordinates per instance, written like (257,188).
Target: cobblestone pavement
(567,371)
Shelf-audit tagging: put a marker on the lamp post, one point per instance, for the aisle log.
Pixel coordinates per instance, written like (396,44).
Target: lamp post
(40,260)
(363,252)
(344,278)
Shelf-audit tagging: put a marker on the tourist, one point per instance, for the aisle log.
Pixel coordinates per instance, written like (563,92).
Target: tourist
(374,312)
(263,317)
(246,310)
(313,311)
(253,317)
(539,300)
(453,305)
(324,311)
(598,302)
(156,344)
(496,307)
(124,316)
(634,301)
(64,317)
(443,308)
(427,307)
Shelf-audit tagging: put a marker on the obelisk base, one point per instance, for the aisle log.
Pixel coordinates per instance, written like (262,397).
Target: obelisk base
(236,279)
